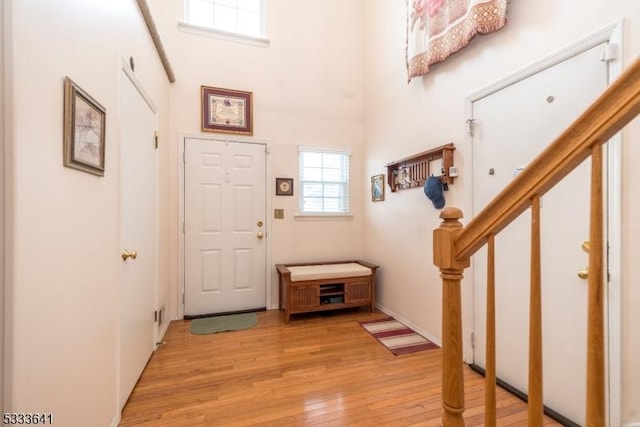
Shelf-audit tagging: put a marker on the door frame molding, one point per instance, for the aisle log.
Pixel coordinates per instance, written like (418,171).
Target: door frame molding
(124,64)
(182,138)
(612,34)
(137,84)
(126,71)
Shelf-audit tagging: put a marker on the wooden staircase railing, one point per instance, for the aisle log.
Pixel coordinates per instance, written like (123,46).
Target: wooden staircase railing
(453,246)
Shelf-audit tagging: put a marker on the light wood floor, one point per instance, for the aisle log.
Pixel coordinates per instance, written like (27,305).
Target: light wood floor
(318,370)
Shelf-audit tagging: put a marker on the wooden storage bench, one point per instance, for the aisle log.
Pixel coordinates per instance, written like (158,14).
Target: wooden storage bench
(320,286)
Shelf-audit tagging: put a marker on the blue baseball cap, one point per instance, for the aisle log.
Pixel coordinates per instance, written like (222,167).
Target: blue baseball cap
(433,190)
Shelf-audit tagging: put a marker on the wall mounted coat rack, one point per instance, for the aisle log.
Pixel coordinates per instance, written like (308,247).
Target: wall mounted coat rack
(412,171)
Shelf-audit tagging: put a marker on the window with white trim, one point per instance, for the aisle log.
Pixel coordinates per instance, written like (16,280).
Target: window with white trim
(243,17)
(324,181)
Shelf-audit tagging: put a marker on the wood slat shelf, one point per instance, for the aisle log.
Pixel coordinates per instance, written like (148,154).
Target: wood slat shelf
(413,171)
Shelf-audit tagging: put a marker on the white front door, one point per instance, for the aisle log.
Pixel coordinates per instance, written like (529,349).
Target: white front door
(225,229)
(138,233)
(511,126)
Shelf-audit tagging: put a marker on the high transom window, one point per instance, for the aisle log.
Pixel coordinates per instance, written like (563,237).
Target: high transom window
(243,17)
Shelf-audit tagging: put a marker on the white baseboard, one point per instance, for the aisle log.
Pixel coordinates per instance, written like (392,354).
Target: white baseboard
(410,324)
(116,420)
(632,424)
(163,330)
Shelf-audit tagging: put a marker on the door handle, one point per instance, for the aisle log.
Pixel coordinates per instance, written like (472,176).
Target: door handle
(126,254)
(260,235)
(584,273)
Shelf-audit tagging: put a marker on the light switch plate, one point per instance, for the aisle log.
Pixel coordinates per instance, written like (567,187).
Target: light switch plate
(278,213)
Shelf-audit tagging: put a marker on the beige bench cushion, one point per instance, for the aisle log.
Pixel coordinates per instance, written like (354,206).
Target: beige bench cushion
(328,271)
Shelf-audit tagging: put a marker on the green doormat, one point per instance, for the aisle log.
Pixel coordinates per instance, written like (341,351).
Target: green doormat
(231,322)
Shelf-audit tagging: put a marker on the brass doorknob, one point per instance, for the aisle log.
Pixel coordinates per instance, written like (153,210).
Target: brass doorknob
(126,254)
(584,273)
(260,235)
(586,246)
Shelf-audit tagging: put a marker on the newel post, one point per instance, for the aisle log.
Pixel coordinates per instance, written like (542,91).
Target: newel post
(451,272)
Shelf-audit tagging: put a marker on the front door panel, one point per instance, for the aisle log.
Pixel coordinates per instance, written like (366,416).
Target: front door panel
(225,255)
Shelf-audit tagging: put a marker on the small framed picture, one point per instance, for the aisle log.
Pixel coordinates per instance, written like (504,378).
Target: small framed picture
(227,110)
(84,130)
(377,188)
(284,186)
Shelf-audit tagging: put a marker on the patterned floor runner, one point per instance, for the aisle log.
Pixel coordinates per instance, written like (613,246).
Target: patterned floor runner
(395,336)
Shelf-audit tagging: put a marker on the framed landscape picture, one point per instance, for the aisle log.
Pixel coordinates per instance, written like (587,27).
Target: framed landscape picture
(227,110)
(84,130)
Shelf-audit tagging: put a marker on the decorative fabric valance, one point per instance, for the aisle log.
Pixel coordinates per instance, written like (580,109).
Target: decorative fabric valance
(439,28)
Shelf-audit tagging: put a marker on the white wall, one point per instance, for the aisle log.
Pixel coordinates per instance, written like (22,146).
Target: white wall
(2,215)
(403,119)
(307,90)
(66,232)
(7,204)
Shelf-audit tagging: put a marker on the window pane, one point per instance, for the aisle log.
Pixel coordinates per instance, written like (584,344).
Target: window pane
(225,18)
(311,160)
(248,23)
(312,189)
(201,13)
(231,3)
(249,5)
(237,16)
(312,205)
(333,190)
(324,182)
(333,205)
(312,174)
(334,175)
(333,160)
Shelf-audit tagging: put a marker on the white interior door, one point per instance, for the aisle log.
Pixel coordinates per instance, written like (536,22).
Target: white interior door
(225,254)
(511,126)
(138,233)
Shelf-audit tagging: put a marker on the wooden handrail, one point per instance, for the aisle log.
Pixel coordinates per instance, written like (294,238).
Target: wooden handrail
(155,36)
(453,246)
(616,107)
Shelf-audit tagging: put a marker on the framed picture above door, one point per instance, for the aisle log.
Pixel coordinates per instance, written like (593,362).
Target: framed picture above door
(227,110)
